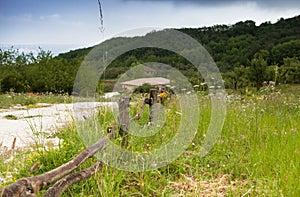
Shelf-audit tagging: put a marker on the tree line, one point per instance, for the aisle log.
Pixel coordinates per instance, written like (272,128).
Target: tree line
(245,53)
(20,72)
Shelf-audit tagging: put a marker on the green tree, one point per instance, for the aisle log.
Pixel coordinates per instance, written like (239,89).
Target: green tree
(145,88)
(258,68)
(290,71)
(237,78)
(287,49)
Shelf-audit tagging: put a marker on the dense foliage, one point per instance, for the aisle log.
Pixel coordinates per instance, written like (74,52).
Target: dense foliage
(245,53)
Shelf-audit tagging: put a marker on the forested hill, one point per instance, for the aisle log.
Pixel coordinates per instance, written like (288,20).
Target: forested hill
(246,54)
(237,44)
(232,45)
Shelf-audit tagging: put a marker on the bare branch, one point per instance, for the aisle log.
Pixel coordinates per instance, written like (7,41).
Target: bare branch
(71,179)
(30,186)
(138,116)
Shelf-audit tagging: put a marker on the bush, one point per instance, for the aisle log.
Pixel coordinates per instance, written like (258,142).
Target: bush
(145,88)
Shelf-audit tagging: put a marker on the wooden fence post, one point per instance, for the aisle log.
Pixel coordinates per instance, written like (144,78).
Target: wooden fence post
(153,101)
(123,119)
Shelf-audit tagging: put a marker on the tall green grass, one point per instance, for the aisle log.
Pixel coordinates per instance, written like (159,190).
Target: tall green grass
(257,154)
(25,99)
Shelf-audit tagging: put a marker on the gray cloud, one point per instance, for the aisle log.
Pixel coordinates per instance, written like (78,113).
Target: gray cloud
(261,3)
(278,3)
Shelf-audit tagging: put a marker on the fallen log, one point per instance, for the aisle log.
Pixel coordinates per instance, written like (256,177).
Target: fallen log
(60,186)
(30,186)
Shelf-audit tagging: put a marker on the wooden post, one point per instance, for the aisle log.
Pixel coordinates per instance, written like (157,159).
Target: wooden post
(153,101)
(124,119)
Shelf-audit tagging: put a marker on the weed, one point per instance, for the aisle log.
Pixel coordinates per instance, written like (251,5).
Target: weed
(10,117)
(12,99)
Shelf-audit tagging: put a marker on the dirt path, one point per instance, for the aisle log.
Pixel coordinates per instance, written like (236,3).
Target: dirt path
(26,122)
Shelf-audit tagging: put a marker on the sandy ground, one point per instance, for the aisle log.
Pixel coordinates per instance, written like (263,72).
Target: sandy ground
(46,120)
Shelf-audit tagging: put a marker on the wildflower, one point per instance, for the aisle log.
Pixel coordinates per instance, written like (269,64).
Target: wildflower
(154,164)
(163,95)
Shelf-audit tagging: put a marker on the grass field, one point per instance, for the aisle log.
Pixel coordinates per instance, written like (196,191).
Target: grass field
(257,154)
(12,99)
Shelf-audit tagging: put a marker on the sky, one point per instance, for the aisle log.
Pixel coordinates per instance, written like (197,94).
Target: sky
(71,24)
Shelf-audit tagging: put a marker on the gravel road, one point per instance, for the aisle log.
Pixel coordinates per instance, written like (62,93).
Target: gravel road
(47,119)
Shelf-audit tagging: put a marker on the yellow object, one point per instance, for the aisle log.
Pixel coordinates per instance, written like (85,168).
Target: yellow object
(163,95)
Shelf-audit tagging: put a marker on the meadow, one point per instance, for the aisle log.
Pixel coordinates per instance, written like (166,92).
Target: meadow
(257,154)
(11,99)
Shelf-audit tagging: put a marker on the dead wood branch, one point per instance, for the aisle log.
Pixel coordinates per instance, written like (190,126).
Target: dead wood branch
(138,116)
(71,179)
(30,186)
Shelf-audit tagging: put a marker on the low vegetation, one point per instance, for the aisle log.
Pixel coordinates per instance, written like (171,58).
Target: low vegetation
(10,117)
(30,100)
(257,154)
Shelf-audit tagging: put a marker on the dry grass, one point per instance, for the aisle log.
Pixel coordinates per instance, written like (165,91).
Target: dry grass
(218,187)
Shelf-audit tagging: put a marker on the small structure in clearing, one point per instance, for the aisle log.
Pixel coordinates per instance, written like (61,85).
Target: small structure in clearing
(149,71)
(154,81)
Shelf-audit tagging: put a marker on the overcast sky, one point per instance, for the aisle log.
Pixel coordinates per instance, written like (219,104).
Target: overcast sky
(76,22)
